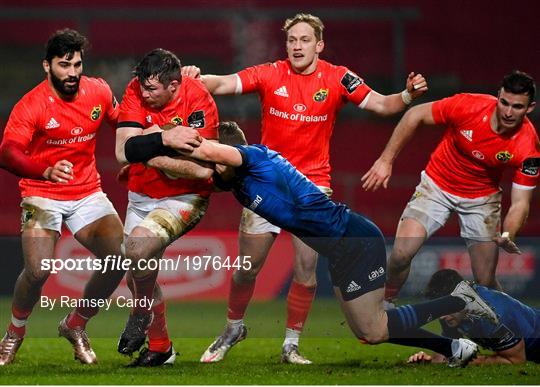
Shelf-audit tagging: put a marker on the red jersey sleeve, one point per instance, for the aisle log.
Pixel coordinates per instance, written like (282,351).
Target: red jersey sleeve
(112,110)
(21,123)
(253,78)
(352,87)
(131,111)
(527,174)
(203,113)
(447,111)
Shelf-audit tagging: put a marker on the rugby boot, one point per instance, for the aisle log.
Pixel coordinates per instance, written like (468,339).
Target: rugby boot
(219,348)
(149,358)
(9,346)
(78,338)
(134,334)
(475,307)
(290,354)
(463,352)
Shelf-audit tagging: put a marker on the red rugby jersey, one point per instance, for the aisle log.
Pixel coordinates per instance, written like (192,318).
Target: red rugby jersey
(193,106)
(470,159)
(53,129)
(299,111)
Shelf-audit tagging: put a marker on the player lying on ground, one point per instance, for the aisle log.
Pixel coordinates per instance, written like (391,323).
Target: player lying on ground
(515,339)
(269,185)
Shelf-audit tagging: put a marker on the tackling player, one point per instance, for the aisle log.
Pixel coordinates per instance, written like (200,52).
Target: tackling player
(163,205)
(484,136)
(49,141)
(267,183)
(514,340)
(300,99)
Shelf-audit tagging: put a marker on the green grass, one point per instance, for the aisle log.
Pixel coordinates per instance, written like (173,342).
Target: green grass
(338,357)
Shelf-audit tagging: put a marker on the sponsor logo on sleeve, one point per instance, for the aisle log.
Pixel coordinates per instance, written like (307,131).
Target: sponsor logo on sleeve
(530,167)
(320,95)
(351,81)
(114,102)
(504,156)
(95,113)
(196,119)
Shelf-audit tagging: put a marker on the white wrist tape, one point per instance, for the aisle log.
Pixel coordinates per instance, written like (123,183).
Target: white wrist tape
(406,97)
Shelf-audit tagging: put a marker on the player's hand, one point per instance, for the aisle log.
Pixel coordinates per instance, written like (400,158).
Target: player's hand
(191,72)
(420,357)
(61,172)
(123,175)
(507,244)
(182,138)
(379,174)
(416,85)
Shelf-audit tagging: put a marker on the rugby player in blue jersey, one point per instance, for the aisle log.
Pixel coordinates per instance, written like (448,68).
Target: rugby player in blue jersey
(269,185)
(515,339)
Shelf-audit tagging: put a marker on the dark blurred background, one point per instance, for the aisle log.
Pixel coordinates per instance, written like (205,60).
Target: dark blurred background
(458,45)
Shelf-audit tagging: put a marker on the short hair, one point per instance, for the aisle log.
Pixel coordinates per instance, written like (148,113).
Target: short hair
(65,42)
(231,134)
(518,82)
(312,20)
(160,64)
(442,283)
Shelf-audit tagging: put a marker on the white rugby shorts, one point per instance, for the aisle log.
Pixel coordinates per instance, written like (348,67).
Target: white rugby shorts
(40,212)
(177,214)
(479,218)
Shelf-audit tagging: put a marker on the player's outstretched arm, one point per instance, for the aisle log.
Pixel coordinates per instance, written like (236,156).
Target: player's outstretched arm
(387,105)
(379,174)
(515,219)
(215,84)
(216,153)
(182,167)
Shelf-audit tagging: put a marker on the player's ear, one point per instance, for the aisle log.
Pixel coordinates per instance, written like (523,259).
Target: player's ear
(46,66)
(319,47)
(173,85)
(531,107)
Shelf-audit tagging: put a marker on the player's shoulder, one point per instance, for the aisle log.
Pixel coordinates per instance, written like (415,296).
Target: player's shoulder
(36,98)
(192,85)
(96,82)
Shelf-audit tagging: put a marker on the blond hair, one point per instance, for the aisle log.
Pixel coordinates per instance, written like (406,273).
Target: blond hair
(312,20)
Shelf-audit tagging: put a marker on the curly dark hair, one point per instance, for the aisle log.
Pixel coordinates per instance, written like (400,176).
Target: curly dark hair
(442,283)
(160,64)
(65,42)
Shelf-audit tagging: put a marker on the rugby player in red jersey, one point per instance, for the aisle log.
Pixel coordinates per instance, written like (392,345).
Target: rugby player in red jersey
(484,136)
(300,99)
(167,196)
(49,141)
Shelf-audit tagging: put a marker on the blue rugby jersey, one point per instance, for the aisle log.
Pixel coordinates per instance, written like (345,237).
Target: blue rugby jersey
(517,321)
(271,187)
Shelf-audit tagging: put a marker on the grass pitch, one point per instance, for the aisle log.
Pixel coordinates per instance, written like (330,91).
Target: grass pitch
(327,341)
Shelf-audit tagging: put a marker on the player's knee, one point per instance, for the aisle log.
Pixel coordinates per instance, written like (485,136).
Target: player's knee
(375,334)
(35,276)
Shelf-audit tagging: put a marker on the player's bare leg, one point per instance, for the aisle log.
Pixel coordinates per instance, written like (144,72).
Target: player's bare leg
(103,238)
(37,244)
(142,245)
(255,248)
(410,236)
(484,259)
(299,300)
